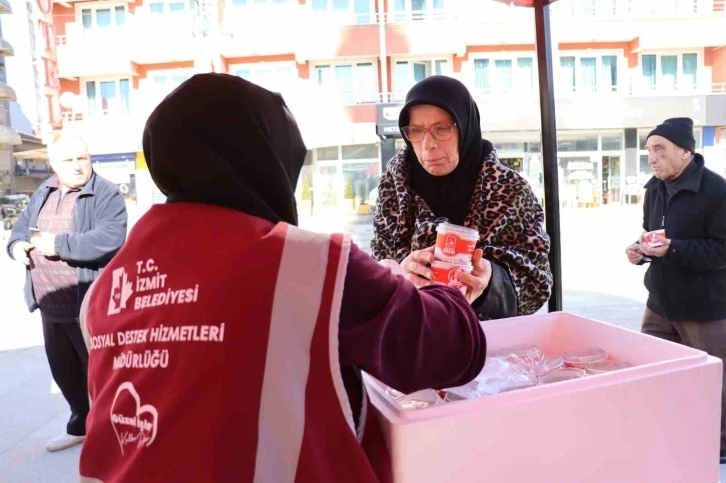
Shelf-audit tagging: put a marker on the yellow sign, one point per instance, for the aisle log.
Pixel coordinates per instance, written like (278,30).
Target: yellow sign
(141,161)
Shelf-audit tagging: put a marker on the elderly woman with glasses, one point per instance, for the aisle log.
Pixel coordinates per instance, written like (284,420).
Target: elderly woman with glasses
(448,173)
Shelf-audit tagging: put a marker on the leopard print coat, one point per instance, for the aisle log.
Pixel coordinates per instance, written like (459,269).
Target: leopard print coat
(503,208)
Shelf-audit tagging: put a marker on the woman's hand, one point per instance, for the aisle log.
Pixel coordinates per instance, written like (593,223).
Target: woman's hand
(415,267)
(478,280)
(393,266)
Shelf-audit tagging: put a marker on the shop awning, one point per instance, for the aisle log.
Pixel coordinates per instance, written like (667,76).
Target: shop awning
(543,45)
(32,154)
(6,50)
(6,92)
(5,7)
(9,135)
(113,157)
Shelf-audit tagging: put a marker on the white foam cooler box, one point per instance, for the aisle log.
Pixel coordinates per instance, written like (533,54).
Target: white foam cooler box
(657,421)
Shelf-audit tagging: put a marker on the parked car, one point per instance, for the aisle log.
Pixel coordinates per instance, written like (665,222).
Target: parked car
(19,201)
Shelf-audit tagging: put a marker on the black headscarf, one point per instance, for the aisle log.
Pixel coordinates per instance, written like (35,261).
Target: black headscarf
(448,196)
(222,140)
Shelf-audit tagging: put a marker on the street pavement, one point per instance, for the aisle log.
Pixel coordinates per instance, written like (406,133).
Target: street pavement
(597,279)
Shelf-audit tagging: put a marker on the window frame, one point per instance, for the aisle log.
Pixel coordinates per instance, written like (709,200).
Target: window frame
(358,97)
(99,111)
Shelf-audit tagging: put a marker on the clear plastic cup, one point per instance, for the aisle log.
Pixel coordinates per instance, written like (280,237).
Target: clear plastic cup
(519,385)
(525,356)
(455,244)
(522,351)
(580,358)
(451,397)
(419,400)
(394,393)
(549,364)
(445,273)
(560,375)
(606,366)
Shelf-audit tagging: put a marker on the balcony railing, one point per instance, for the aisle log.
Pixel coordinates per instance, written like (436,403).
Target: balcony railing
(136,27)
(23,171)
(329,17)
(76,35)
(635,89)
(98,114)
(637,9)
(424,15)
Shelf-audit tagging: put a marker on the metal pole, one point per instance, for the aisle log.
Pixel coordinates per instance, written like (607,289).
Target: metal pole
(549,146)
(382,15)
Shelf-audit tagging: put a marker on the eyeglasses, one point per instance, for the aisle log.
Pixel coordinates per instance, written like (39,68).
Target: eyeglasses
(440,132)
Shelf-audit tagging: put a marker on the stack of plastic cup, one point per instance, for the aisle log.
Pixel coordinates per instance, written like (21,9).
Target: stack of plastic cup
(454,249)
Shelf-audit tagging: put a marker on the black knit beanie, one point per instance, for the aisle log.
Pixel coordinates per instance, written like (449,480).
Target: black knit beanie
(679,131)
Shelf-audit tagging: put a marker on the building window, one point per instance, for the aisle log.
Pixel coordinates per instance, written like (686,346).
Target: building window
(406,10)
(352,11)
(499,76)
(612,142)
(588,73)
(169,80)
(31,26)
(359,151)
(108,97)
(244,3)
(102,18)
(648,69)
(275,76)
(587,7)
(347,173)
(577,142)
(690,71)
(407,73)
(567,73)
(361,172)
(327,154)
(609,72)
(171,6)
(669,72)
(346,176)
(163,83)
(664,7)
(355,83)
(524,74)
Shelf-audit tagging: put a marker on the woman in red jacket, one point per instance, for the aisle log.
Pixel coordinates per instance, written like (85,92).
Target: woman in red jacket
(225,343)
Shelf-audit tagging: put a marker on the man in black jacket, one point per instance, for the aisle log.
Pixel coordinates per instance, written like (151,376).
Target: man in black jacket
(72,227)
(686,279)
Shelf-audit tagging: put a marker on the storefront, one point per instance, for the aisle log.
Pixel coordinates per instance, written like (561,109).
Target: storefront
(339,180)
(387,129)
(521,152)
(120,169)
(590,164)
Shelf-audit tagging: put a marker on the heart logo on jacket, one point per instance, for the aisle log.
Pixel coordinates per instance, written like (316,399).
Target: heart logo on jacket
(133,423)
